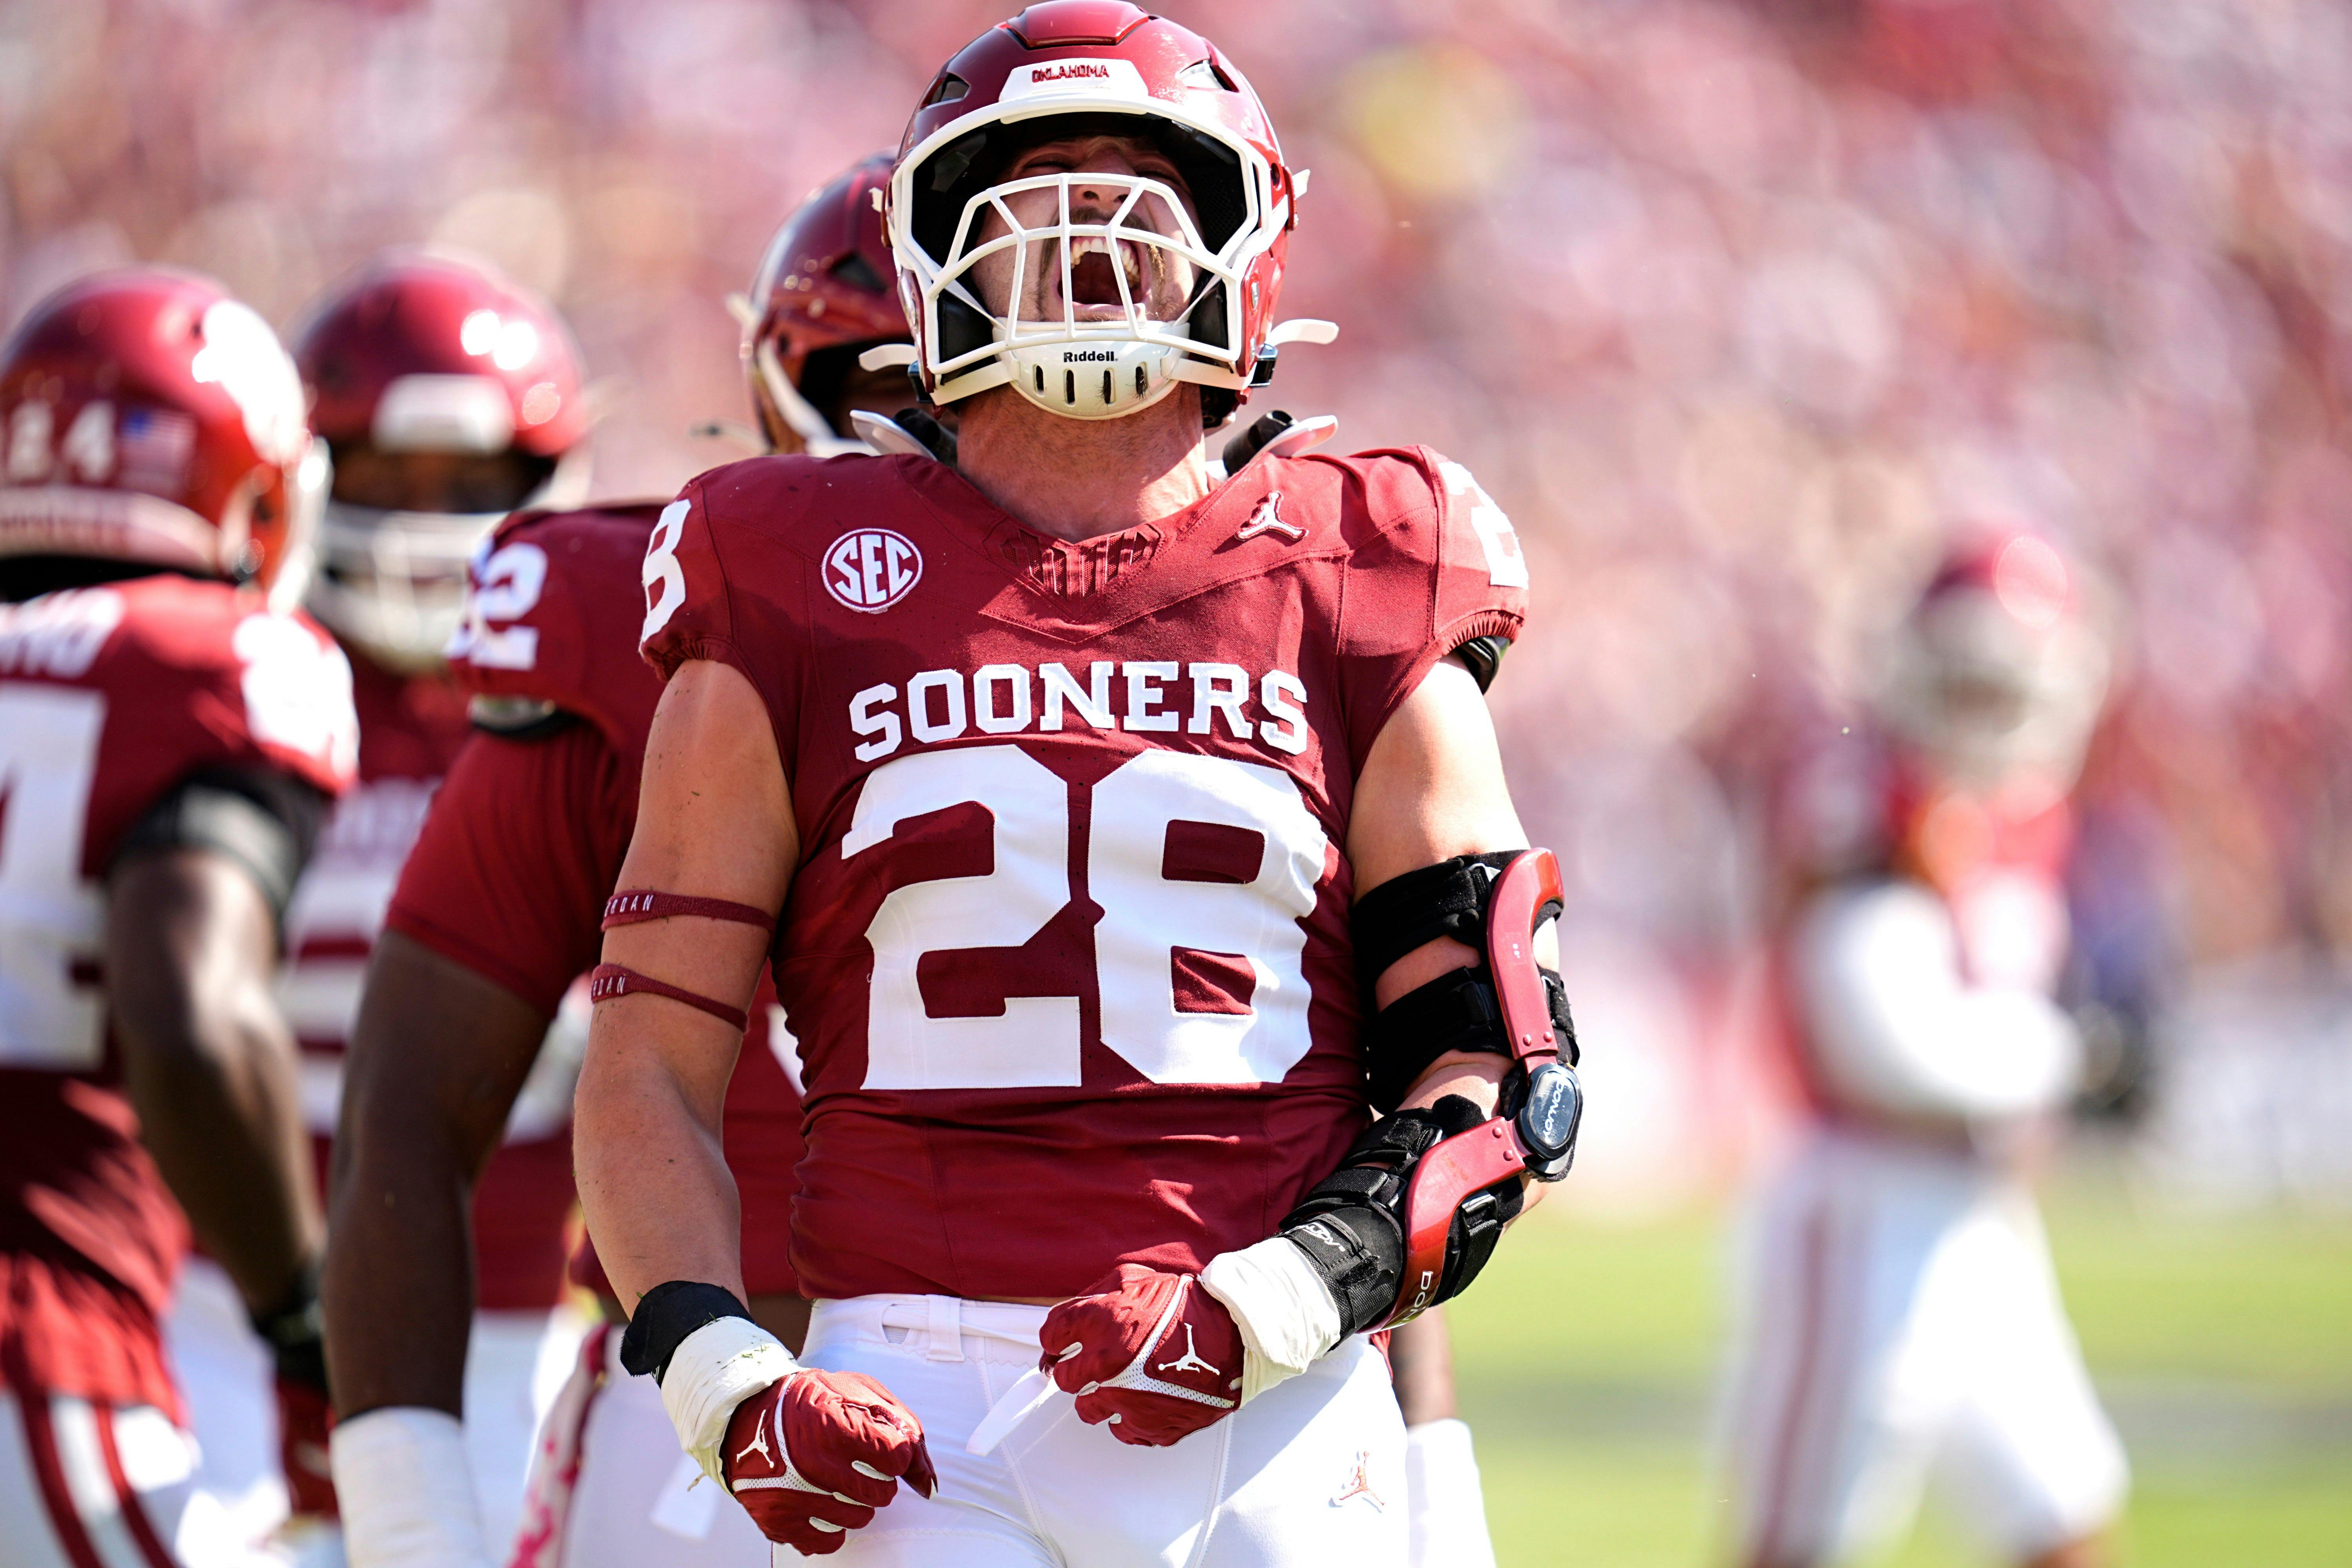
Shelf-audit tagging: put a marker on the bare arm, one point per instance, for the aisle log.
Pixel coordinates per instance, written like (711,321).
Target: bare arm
(1421,1360)
(1431,789)
(714,820)
(436,1059)
(209,1064)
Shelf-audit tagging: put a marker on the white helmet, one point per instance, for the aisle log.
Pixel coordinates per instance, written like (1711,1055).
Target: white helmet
(1998,672)
(1175,298)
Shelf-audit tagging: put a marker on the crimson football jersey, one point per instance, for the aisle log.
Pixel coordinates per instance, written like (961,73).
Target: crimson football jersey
(411,730)
(1067,951)
(524,844)
(110,697)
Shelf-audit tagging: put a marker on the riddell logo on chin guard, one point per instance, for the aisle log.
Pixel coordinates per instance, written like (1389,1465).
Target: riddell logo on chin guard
(871,569)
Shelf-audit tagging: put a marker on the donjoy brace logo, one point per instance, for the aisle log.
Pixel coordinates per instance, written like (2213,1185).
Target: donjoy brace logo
(871,569)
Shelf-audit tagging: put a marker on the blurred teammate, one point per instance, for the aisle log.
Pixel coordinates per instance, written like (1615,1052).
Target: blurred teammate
(169,735)
(1901,1313)
(448,397)
(495,915)
(1070,763)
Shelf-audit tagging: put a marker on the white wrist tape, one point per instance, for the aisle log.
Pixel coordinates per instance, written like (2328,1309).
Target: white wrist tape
(713,1369)
(1285,1313)
(406,1490)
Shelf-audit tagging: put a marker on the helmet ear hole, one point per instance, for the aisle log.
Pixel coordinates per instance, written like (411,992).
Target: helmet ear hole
(1208,321)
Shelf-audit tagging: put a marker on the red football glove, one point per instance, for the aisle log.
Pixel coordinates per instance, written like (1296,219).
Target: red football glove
(304,1419)
(813,1456)
(1148,1352)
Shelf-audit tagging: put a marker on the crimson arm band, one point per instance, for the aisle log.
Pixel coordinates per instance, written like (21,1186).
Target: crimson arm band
(634,905)
(610,981)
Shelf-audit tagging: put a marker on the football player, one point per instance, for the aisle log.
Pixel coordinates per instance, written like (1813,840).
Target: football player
(448,397)
(495,914)
(171,732)
(1898,1303)
(1073,764)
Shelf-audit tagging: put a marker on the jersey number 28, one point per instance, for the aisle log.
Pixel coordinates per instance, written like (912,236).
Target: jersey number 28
(1148,918)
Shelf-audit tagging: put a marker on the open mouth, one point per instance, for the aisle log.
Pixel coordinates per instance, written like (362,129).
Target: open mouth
(1094,270)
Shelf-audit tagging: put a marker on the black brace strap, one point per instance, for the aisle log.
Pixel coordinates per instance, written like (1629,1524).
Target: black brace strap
(665,1315)
(1352,1225)
(1448,898)
(1454,1011)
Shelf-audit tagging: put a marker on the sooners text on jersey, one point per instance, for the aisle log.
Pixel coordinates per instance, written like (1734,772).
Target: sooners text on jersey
(1067,950)
(109,698)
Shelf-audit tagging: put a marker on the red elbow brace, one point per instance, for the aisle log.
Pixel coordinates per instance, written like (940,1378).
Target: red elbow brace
(634,905)
(1415,1210)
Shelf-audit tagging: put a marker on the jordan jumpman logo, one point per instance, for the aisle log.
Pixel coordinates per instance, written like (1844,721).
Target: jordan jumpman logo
(1360,1483)
(1268,518)
(759,1443)
(1190,1360)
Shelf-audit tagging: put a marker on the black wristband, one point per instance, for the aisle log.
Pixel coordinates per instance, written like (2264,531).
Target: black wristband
(296,1332)
(665,1316)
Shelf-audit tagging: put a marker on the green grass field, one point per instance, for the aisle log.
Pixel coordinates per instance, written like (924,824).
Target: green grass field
(2223,1345)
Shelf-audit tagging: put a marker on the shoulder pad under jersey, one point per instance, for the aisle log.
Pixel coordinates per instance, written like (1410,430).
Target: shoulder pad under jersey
(552,605)
(1440,528)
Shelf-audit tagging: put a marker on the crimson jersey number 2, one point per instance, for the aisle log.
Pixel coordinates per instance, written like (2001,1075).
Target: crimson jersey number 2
(1147,917)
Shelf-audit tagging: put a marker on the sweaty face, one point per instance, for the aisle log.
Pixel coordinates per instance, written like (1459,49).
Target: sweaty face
(1157,278)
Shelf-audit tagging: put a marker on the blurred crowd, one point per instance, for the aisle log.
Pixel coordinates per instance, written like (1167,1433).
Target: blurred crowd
(1736,309)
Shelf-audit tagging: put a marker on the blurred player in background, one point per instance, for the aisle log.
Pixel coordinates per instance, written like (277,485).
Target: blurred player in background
(1900,1312)
(448,397)
(823,296)
(497,913)
(170,733)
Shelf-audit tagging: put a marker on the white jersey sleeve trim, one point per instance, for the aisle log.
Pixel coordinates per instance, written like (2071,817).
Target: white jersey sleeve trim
(1895,1024)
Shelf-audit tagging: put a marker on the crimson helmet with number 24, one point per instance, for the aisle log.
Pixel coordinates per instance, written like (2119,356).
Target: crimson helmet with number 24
(1094,65)
(147,416)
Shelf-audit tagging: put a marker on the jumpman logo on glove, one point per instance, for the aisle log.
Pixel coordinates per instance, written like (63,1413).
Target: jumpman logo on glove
(1111,1349)
(1190,1360)
(759,1443)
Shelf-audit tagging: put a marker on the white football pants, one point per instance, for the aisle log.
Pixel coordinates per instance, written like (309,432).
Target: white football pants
(1901,1321)
(1308,1474)
(611,1489)
(515,1363)
(90,1486)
